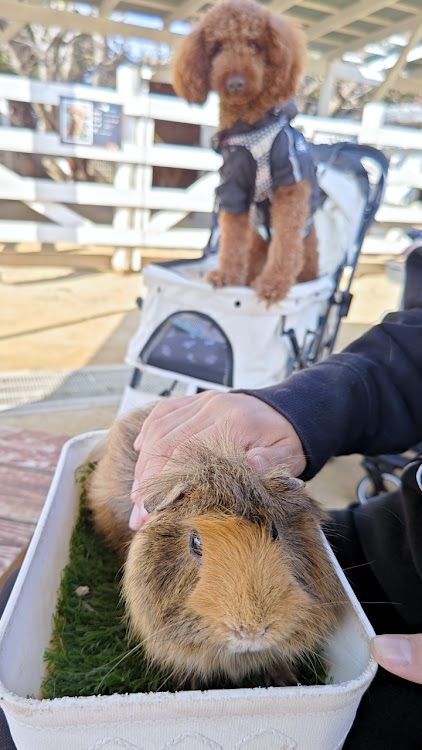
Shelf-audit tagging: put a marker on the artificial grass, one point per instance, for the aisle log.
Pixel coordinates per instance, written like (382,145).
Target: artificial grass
(90,652)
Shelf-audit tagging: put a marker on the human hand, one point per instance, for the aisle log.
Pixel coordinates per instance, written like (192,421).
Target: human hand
(399,654)
(267,437)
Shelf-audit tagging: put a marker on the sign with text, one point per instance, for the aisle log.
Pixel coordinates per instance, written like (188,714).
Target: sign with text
(87,123)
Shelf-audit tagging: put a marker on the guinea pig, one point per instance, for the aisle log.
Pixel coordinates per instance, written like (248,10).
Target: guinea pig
(229,575)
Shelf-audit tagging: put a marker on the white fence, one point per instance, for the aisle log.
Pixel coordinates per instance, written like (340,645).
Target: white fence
(148,217)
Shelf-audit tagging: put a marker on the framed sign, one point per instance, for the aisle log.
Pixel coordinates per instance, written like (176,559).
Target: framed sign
(87,123)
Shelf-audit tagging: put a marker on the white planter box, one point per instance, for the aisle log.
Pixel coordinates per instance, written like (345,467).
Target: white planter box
(286,718)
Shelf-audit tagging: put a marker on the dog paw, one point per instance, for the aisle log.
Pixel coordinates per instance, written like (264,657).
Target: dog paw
(223,278)
(269,291)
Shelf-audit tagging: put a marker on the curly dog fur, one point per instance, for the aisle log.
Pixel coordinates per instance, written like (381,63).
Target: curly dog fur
(253,59)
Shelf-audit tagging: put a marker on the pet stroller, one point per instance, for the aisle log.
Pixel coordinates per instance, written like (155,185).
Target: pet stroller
(200,337)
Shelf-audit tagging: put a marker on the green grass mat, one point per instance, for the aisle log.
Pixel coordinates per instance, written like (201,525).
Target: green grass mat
(90,653)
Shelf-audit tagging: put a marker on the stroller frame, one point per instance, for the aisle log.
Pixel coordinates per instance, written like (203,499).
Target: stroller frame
(368,166)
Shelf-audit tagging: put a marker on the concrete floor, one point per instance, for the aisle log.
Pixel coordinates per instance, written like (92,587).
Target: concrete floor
(55,318)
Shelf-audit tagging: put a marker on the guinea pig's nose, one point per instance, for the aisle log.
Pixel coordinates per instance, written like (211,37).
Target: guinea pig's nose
(235,82)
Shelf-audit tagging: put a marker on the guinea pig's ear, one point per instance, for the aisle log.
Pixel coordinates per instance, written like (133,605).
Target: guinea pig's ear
(287,493)
(160,501)
(277,482)
(191,68)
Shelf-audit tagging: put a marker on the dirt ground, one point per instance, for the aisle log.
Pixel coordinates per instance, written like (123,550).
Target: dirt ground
(56,318)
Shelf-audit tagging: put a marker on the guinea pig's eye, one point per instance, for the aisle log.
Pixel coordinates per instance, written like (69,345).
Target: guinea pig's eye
(254,45)
(274,532)
(195,544)
(217,49)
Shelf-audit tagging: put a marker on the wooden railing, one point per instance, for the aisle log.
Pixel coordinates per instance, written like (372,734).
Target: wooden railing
(146,218)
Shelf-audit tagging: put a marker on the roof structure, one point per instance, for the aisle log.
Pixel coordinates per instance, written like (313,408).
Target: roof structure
(375,40)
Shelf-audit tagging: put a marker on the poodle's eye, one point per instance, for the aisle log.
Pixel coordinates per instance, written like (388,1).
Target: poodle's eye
(274,532)
(217,49)
(254,45)
(195,544)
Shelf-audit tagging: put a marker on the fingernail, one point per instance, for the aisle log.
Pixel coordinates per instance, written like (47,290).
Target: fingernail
(137,518)
(392,648)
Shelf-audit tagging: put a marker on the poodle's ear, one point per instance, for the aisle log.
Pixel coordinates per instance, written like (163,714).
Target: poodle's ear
(191,68)
(286,51)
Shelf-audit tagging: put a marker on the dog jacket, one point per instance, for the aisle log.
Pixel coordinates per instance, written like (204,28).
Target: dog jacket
(260,157)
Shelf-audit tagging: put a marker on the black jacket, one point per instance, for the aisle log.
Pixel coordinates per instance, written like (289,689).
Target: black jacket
(368,399)
(260,157)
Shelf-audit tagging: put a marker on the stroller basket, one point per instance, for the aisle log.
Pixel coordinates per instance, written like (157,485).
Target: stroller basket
(227,338)
(194,344)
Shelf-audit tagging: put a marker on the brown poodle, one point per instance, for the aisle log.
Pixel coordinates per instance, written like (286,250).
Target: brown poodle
(253,59)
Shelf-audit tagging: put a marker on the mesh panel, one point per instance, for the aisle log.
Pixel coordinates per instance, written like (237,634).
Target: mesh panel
(191,344)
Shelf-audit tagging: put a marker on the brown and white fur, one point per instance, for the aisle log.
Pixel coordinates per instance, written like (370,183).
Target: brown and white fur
(253,59)
(229,575)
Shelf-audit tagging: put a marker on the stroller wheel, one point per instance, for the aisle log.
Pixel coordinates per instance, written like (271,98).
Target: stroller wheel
(366,489)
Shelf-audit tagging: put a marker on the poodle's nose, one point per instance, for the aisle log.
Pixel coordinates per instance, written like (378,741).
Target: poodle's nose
(235,82)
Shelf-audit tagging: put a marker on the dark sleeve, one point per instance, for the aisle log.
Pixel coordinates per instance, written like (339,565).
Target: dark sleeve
(378,545)
(291,159)
(367,399)
(236,190)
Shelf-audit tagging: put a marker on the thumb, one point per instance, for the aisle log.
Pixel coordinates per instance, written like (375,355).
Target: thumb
(399,654)
(261,459)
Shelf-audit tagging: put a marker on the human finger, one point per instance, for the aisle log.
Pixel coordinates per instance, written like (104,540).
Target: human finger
(399,654)
(164,430)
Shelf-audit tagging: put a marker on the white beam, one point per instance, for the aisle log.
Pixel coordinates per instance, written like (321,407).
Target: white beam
(155,106)
(353,13)
(100,235)
(184,10)
(407,8)
(154,5)
(107,6)
(23,140)
(395,71)
(51,209)
(162,221)
(28,13)
(315,5)
(376,36)
(279,6)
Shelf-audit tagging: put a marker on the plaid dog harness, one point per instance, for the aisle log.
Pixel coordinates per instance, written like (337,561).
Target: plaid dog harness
(257,159)
(259,144)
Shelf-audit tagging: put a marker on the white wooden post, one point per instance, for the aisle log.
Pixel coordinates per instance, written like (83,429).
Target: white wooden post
(373,115)
(327,91)
(139,131)
(5,121)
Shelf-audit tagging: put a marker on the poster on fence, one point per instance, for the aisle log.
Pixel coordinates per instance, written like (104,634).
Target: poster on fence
(87,123)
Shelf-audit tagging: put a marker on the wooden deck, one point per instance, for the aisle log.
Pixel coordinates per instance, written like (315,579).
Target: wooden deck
(27,463)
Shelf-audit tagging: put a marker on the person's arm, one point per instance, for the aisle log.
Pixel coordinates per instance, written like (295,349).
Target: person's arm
(367,399)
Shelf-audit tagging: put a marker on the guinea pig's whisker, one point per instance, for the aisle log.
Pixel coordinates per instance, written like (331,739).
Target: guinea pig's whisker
(332,603)
(170,677)
(118,660)
(333,573)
